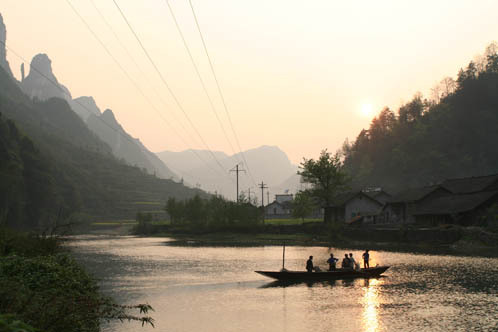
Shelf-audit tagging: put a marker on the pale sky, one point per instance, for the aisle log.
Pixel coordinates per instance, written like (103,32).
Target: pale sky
(296,74)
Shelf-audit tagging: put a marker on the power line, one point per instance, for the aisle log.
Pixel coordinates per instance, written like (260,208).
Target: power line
(67,94)
(219,90)
(198,74)
(137,87)
(138,66)
(177,102)
(237,171)
(263,186)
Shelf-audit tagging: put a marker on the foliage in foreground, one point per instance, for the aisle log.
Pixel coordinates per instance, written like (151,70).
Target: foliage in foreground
(50,291)
(10,323)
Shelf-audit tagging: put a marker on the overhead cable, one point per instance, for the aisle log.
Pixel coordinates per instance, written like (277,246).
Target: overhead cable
(175,98)
(199,75)
(137,87)
(220,91)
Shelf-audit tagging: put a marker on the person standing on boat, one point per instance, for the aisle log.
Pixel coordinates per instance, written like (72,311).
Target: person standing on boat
(366,258)
(352,261)
(346,263)
(332,260)
(309,264)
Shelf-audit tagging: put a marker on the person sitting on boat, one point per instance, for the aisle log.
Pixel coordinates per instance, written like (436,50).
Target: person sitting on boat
(353,263)
(346,263)
(366,257)
(309,264)
(332,260)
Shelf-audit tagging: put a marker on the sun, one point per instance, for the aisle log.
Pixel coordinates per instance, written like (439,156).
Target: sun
(366,110)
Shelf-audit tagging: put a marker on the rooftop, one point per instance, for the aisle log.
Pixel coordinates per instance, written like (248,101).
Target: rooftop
(414,194)
(453,204)
(470,184)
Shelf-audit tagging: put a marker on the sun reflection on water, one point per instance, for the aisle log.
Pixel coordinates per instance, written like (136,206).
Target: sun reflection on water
(370,303)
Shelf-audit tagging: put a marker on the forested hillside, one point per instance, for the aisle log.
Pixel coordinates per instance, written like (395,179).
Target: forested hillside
(453,135)
(53,167)
(26,183)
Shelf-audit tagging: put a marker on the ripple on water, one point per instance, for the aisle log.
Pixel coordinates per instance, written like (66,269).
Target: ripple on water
(215,289)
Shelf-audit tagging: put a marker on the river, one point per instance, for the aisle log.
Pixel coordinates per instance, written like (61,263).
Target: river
(205,289)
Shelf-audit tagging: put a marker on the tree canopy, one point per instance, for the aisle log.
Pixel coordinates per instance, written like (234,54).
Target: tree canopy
(302,205)
(327,177)
(454,134)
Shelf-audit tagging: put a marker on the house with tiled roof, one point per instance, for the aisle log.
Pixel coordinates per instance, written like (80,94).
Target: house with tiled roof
(471,184)
(462,201)
(401,207)
(358,206)
(278,210)
(462,209)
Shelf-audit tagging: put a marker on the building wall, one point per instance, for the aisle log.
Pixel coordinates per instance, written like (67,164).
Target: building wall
(393,213)
(284,198)
(274,210)
(361,205)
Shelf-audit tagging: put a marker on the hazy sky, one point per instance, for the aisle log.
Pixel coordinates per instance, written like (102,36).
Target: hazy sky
(296,74)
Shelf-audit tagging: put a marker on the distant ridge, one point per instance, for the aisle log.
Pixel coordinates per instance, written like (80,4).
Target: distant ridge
(53,168)
(104,125)
(3,52)
(267,163)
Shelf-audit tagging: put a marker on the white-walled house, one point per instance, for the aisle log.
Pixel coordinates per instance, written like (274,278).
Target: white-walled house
(360,205)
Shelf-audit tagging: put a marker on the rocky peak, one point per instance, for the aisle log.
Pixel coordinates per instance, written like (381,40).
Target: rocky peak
(85,106)
(3,50)
(41,82)
(109,118)
(42,66)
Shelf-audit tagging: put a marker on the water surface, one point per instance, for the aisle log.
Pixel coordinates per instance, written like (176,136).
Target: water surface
(215,289)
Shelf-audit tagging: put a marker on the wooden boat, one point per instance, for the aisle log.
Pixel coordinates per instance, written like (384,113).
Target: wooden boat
(286,275)
(302,276)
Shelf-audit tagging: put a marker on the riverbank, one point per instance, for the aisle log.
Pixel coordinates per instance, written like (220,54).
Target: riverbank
(42,288)
(448,239)
(452,240)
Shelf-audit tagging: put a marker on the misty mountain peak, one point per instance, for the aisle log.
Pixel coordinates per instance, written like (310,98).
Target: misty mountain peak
(109,118)
(3,50)
(42,64)
(41,82)
(85,106)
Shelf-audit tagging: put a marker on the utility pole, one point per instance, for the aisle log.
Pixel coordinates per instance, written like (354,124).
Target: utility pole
(249,194)
(237,170)
(268,196)
(263,187)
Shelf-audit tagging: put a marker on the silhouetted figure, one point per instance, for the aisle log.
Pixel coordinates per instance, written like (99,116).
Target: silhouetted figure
(366,257)
(346,263)
(309,264)
(332,260)
(352,261)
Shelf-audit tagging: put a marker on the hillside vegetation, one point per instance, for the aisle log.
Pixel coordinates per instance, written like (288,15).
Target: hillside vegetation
(54,168)
(426,141)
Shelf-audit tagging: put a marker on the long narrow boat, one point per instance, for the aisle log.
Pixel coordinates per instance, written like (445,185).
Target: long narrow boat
(286,275)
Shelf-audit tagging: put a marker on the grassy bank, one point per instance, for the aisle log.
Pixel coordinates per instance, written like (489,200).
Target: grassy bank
(42,287)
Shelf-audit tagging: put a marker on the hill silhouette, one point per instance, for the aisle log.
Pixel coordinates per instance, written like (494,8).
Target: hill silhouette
(426,141)
(74,171)
(41,84)
(266,163)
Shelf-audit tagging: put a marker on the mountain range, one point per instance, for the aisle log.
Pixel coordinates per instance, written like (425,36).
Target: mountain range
(215,172)
(53,167)
(207,170)
(42,84)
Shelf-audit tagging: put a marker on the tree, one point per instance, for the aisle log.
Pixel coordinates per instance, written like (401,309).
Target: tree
(175,209)
(302,206)
(328,178)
